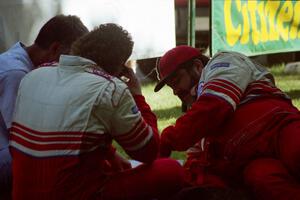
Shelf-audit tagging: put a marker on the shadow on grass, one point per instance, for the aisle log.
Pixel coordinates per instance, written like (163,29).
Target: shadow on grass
(168,113)
(151,82)
(294,94)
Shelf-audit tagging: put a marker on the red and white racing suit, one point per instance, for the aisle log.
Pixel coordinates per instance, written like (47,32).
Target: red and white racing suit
(65,120)
(243,122)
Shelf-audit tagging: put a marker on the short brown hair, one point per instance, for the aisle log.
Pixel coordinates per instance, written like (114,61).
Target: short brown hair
(109,45)
(204,59)
(61,28)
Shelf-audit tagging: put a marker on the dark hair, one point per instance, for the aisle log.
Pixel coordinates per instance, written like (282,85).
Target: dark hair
(204,59)
(61,28)
(109,45)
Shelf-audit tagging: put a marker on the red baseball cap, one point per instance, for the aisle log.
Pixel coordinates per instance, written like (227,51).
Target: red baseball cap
(171,61)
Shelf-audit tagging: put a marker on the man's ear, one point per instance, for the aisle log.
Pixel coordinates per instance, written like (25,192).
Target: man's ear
(198,65)
(55,50)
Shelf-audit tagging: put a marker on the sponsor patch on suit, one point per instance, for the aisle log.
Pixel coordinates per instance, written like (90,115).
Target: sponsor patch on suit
(218,65)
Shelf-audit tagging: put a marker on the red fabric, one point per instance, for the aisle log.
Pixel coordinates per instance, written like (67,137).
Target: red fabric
(222,89)
(135,136)
(225,87)
(111,152)
(158,180)
(258,86)
(149,152)
(196,165)
(72,177)
(146,112)
(269,179)
(253,132)
(172,60)
(289,146)
(24,135)
(262,89)
(265,127)
(204,118)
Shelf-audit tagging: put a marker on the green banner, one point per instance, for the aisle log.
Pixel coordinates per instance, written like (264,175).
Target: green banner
(255,27)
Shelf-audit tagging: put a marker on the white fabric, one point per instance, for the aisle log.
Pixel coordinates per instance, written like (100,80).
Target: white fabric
(70,102)
(230,74)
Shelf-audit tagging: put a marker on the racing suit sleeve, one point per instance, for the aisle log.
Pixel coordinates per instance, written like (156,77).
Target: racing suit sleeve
(204,118)
(135,128)
(221,87)
(150,151)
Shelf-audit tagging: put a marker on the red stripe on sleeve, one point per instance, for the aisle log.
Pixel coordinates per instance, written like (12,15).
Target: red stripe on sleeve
(240,92)
(223,90)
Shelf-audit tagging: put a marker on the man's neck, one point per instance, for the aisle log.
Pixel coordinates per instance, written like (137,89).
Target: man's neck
(36,54)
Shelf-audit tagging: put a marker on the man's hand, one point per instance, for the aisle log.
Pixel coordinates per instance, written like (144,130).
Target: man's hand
(165,143)
(118,163)
(165,151)
(131,80)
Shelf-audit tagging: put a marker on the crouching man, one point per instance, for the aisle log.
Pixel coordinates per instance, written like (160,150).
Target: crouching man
(241,130)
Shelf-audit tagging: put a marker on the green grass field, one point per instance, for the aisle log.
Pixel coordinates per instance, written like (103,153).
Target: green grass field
(167,107)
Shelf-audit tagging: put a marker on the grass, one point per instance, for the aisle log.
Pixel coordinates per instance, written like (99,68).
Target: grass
(164,104)
(289,83)
(167,107)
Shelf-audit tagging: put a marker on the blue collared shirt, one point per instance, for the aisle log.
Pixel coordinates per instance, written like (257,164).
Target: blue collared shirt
(14,65)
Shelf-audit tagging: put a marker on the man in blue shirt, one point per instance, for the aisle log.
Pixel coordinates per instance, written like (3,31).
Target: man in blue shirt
(54,39)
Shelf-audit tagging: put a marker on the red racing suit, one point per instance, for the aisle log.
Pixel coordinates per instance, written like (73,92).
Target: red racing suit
(65,120)
(239,116)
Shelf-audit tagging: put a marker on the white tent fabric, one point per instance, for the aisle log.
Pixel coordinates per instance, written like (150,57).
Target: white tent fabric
(151,22)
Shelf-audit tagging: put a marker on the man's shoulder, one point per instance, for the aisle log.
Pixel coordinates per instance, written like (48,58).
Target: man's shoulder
(11,71)
(101,75)
(113,89)
(116,90)
(10,62)
(230,56)
(39,75)
(225,59)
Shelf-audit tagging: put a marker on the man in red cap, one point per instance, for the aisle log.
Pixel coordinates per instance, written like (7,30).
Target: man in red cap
(241,130)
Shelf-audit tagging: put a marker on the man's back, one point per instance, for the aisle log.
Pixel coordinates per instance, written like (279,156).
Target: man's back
(57,134)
